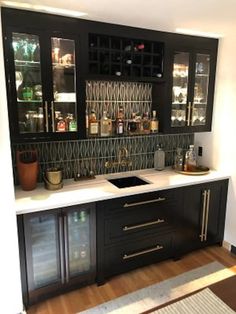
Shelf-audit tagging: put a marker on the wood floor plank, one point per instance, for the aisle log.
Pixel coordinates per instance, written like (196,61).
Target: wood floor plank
(87,297)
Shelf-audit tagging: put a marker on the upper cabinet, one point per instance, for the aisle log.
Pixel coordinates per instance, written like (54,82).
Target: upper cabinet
(42,85)
(61,67)
(191,90)
(125,57)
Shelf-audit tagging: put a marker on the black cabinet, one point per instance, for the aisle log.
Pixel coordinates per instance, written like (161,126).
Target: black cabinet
(135,231)
(202,216)
(50,65)
(43,83)
(58,251)
(191,88)
(125,57)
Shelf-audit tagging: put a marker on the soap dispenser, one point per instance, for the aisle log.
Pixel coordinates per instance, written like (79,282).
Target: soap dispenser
(159,158)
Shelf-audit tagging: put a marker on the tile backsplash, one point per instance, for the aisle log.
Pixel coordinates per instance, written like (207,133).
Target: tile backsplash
(76,156)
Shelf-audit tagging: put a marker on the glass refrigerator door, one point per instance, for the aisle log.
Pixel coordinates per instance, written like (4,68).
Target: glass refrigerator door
(64,106)
(78,234)
(31,118)
(202,72)
(180,89)
(43,250)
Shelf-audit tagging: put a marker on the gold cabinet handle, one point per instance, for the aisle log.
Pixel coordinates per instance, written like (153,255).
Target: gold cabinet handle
(203,215)
(159,199)
(46,115)
(150,223)
(189,112)
(53,116)
(156,248)
(207,213)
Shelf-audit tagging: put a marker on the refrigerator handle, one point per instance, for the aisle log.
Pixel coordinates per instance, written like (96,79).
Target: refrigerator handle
(66,248)
(61,249)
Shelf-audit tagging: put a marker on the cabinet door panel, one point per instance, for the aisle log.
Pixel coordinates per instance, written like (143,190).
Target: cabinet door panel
(28,83)
(80,251)
(64,105)
(42,250)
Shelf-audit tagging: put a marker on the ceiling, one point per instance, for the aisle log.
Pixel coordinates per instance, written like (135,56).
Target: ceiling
(204,17)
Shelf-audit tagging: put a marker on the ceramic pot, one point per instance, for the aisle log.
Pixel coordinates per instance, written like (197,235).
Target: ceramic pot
(27,169)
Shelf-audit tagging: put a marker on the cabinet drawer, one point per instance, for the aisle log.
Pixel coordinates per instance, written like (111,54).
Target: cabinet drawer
(136,201)
(134,254)
(138,221)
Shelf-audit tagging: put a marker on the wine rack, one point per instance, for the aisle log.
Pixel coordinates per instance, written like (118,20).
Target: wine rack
(116,56)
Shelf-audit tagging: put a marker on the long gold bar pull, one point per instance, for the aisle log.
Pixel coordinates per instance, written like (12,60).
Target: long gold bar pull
(155,222)
(189,113)
(207,213)
(203,215)
(156,248)
(159,199)
(53,116)
(46,115)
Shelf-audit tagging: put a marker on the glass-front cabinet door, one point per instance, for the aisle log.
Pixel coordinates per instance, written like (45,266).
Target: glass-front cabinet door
(28,83)
(42,86)
(180,89)
(191,105)
(79,242)
(201,84)
(43,252)
(63,106)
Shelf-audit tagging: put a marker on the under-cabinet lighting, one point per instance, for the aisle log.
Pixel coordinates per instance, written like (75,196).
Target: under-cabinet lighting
(198,33)
(42,8)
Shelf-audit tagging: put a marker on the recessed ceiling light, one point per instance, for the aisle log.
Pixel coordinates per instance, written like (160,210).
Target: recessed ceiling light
(42,8)
(193,32)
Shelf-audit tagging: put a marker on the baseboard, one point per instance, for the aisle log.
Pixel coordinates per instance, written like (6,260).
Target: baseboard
(233,249)
(227,246)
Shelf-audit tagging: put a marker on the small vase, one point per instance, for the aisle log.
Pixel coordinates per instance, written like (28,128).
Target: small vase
(27,168)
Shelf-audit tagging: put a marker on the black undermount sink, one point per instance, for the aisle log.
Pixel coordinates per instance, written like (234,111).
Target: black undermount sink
(127,182)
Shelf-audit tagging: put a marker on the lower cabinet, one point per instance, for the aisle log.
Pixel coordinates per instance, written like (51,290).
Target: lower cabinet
(138,230)
(202,218)
(58,250)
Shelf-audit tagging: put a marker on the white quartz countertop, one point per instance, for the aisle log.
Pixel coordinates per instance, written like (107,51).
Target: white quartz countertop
(98,189)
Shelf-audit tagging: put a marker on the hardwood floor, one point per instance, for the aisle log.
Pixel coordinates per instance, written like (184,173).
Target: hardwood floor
(87,297)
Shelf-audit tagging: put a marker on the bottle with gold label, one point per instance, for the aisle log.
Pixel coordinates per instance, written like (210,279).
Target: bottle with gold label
(104,125)
(154,123)
(93,123)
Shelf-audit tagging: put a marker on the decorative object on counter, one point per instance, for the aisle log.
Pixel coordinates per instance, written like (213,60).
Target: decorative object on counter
(89,174)
(159,158)
(27,168)
(179,159)
(190,162)
(53,179)
(199,170)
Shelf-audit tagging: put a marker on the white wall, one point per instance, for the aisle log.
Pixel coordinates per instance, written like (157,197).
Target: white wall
(219,146)
(10,289)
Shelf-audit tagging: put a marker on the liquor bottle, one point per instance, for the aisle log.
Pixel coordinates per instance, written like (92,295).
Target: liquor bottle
(61,124)
(72,124)
(159,159)
(154,124)
(104,125)
(120,122)
(146,123)
(132,126)
(190,162)
(93,123)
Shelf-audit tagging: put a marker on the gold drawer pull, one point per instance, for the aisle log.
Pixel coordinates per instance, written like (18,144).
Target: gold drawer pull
(156,248)
(150,223)
(159,199)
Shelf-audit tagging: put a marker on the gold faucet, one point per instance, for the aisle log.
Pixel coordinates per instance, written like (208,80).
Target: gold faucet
(122,160)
